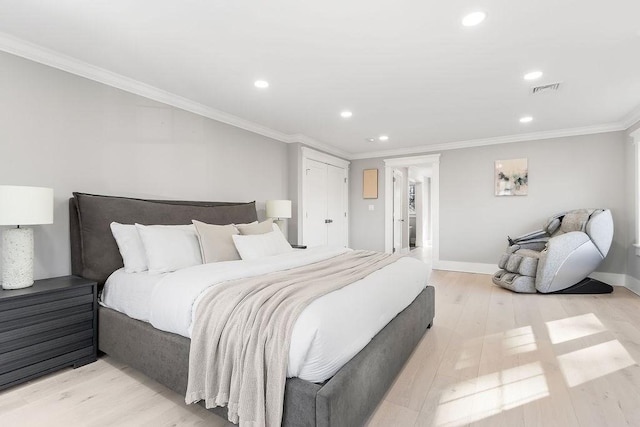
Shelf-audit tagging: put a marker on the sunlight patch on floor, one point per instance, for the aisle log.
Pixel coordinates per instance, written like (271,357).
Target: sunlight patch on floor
(593,362)
(514,341)
(519,340)
(491,394)
(467,359)
(573,328)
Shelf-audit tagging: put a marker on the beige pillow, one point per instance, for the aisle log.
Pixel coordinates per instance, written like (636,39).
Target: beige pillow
(216,243)
(259,228)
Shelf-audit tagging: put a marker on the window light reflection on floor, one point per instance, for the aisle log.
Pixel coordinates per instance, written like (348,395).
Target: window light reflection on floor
(473,400)
(512,342)
(469,357)
(520,340)
(573,328)
(593,362)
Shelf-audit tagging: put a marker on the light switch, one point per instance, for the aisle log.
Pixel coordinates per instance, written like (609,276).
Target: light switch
(372,207)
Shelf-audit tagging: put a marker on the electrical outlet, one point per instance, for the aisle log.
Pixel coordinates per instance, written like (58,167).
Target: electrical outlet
(372,207)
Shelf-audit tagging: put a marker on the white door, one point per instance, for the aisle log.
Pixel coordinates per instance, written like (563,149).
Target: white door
(336,212)
(325,198)
(315,204)
(398,219)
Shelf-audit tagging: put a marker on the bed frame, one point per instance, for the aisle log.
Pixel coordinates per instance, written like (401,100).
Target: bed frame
(346,399)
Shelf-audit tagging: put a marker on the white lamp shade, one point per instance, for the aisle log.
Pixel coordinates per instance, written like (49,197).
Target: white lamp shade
(25,205)
(279,208)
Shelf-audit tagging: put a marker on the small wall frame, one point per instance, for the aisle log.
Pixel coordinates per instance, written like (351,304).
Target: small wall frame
(370,184)
(511,177)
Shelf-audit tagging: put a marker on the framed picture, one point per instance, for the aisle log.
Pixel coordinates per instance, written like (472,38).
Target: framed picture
(511,177)
(370,184)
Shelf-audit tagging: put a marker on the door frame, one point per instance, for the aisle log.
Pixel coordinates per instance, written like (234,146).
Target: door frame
(309,154)
(397,173)
(432,160)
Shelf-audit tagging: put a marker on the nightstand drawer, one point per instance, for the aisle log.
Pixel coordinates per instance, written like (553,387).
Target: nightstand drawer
(22,338)
(24,300)
(44,307)
(43,324)
(20,375)
(35,353)
(44,318)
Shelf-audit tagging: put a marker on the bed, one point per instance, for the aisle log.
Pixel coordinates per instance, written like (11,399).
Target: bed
(347,398)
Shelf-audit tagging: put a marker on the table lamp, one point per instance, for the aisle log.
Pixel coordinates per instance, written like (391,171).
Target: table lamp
(21,206)
(279,210)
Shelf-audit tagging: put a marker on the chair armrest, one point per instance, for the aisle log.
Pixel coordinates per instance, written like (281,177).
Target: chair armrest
(533,235)
(534,246)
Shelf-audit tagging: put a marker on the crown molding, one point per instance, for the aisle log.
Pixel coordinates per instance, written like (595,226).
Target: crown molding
(632,118)
(588,130)
(303,139)
(51,58)
(412,161)
(319,156)
(72,65)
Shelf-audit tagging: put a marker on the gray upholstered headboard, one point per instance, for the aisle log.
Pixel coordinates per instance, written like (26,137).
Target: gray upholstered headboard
(94,252)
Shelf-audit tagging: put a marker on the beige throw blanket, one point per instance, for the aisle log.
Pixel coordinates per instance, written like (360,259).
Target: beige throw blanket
(242,331)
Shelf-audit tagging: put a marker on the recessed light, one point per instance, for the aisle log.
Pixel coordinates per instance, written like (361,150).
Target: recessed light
(371,139)
(383,138)
(526,119)
(534,75)
(473,19)
(261,84)
(346,114)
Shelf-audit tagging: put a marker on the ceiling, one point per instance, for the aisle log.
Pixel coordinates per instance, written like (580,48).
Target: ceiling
(406,69)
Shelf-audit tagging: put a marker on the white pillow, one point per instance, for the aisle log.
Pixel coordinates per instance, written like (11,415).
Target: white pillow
(169,247)
(253,246)
(130,246)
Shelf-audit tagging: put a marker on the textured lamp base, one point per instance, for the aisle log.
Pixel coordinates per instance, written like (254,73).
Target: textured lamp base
(17,258)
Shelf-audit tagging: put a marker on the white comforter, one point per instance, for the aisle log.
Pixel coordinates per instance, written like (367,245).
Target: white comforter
(328,333)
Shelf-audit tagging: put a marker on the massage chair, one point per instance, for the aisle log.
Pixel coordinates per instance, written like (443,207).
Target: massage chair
(559,257)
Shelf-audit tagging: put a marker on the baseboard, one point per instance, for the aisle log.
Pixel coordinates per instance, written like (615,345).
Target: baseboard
(613,279)
(633,284)
(466,267)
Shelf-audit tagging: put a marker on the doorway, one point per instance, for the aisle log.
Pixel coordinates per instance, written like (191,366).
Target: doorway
(420,227)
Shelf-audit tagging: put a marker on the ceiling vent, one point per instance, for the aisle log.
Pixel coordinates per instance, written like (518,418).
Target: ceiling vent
(553,87)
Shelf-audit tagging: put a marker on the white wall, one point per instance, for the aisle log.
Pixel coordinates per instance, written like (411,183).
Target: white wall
(366,227)
(63,131)
(564,173)
(633,261)
(294,153)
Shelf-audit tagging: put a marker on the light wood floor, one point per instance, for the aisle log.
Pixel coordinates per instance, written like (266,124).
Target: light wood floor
(492,358)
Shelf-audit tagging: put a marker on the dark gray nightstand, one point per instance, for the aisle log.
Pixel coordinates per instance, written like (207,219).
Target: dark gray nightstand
(46,327)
